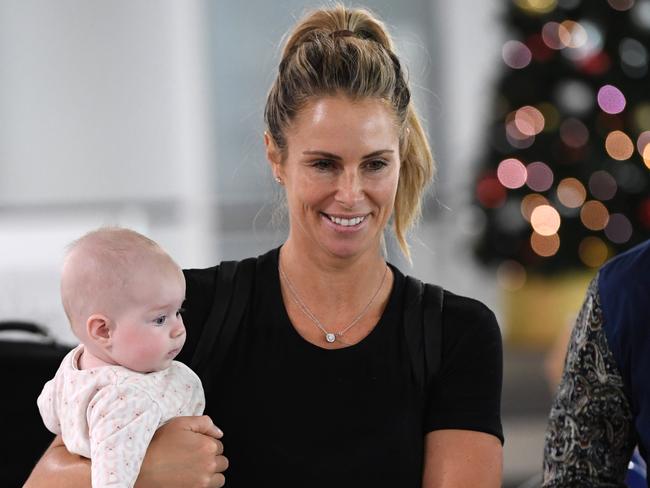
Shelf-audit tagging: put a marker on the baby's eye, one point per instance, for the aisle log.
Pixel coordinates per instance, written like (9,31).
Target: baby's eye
(160,320)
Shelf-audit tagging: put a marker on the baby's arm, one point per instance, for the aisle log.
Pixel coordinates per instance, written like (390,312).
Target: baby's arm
(122,420)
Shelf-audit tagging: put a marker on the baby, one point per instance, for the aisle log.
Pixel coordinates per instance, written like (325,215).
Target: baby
(122,294)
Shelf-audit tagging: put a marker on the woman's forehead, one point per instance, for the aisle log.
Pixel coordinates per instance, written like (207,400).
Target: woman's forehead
(333,118)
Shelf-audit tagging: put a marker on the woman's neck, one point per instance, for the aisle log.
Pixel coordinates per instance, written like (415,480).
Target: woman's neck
(329,280)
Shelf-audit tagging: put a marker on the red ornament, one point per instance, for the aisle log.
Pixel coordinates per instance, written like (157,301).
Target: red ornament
(596,64)
(538,48)
(490,192)
(644,213)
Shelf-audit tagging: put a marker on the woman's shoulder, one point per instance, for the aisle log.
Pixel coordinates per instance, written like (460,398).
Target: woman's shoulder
(463,318)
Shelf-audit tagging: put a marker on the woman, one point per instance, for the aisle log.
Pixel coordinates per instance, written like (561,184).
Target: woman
(316,389)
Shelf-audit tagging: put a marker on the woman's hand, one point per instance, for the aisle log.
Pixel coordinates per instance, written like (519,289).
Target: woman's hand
(185,452)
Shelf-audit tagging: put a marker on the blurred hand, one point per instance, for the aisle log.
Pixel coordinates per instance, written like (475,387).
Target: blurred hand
(185,452)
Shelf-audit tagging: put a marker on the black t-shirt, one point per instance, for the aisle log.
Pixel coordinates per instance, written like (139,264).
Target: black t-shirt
(295,414)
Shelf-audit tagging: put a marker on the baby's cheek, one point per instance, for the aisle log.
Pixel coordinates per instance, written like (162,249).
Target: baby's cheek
(146,348)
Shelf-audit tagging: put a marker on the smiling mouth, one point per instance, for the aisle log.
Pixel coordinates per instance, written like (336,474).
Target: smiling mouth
(345,222)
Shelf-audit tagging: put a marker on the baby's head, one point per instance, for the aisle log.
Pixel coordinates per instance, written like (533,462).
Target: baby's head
(123,295)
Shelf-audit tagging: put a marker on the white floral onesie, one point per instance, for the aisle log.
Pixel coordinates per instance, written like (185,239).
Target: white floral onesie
(109,414)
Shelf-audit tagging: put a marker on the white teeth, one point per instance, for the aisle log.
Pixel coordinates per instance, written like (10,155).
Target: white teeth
(347,222)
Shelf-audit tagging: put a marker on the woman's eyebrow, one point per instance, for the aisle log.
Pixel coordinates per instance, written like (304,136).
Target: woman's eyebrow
(334,156)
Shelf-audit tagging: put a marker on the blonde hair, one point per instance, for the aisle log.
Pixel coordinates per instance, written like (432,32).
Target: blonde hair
(340,50)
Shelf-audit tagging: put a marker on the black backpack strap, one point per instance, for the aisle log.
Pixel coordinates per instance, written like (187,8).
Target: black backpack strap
(423,329)
(232,291)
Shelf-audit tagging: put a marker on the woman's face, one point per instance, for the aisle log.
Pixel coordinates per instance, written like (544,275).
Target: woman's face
(340,174)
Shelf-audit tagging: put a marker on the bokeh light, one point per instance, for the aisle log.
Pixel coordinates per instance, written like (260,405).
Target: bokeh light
(572,34)
(640,14)
(593,251)
(642,143)
(634,58)
(551,35)
(621,5)
(545,220)
(515,137)
(642,117)
(611,100)
(602,185)
(530,202)
(619,146)
(646,156)
(537,6)
(511,173)
(594,215)
(511,275)
(529,120)
(618,229)
(539,176)
(571,192)
(516,54)
(574,133)
(585,44)
(545,246)
(574,97)
(595,64)
(489,192)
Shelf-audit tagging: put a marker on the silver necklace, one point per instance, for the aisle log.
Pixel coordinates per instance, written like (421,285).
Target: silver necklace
(329,336)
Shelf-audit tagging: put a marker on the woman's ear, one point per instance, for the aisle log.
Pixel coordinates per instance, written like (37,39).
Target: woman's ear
(274,157)
(99,329)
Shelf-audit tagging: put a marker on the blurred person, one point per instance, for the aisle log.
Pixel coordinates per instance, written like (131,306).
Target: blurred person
(318,387)
(122,294)
(602,406)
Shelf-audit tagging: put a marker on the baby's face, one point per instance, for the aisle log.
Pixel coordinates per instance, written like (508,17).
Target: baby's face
(149,330)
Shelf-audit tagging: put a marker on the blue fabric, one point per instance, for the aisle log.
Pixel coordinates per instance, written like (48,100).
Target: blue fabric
(624,288)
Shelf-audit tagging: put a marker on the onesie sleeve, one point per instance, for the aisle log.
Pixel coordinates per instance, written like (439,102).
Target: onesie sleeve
(466,393)
(590,434)
(121,421)
(46,406)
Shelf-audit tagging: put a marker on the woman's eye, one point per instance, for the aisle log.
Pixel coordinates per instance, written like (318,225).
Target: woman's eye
(323,165)
(160,320)
(376,164)
(179,311)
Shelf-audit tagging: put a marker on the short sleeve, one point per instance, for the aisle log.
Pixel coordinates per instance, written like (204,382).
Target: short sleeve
(466,394)
(199,293)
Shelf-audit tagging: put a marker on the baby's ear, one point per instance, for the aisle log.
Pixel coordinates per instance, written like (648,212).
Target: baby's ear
(98,328)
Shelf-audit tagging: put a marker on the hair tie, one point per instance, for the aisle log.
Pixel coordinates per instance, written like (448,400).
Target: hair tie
(343,33)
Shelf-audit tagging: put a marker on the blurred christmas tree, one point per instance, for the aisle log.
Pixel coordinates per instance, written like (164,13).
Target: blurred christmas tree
(565,183)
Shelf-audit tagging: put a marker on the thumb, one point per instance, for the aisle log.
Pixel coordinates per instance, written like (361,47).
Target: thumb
(204,425)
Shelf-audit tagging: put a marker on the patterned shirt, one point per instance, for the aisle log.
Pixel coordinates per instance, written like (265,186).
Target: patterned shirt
(601,409)
(109,414)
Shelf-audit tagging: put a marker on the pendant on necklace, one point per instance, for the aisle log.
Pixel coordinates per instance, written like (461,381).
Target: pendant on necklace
(329,337)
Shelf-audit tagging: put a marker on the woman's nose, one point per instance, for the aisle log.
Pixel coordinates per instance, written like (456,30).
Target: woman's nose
(350,189)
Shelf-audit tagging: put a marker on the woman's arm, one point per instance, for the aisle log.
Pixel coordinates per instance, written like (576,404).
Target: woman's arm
(57,468)
(462,458)
(186,451)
